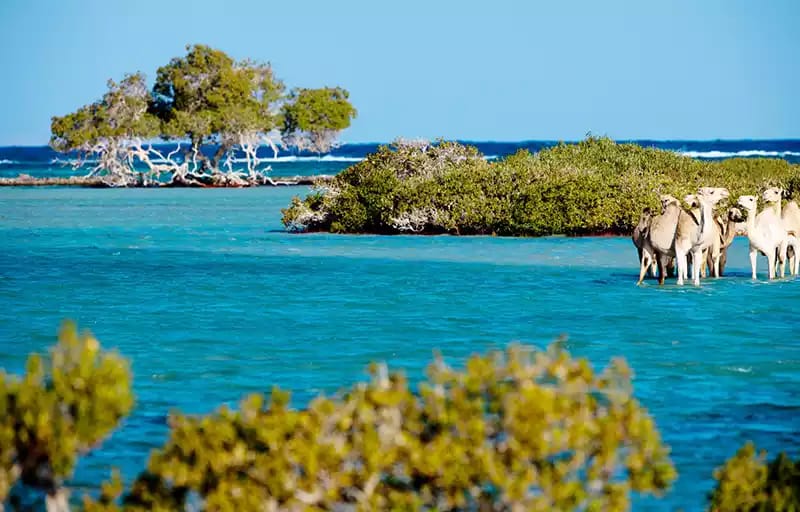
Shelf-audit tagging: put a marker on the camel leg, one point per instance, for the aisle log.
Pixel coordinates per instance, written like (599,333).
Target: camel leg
(687,268)
(689,262)
(753,260)
(771,263)
(723,256)
(782,258)
(643,256)
(697,269)
(715,265)
(680,259)
(662,269)
(670,266)
(702,262)
(643,266)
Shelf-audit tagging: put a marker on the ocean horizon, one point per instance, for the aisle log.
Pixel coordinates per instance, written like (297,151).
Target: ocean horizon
(42,161)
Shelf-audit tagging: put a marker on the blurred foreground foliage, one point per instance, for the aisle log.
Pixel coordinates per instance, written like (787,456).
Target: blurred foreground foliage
(521,429)
(62,407)
(748,483)
(593,186)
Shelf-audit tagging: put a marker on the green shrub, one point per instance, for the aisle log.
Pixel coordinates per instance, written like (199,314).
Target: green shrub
(593,186)
(746,483)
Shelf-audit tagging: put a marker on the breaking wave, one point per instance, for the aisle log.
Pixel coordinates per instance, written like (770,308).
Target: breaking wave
(743,153)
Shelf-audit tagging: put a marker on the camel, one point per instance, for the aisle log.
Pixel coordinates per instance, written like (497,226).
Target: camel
(726,230)
(659,244)
(695,235)
(714,256)
(791,222)
(694,210)
(766,234)
(772,198)
(639,235)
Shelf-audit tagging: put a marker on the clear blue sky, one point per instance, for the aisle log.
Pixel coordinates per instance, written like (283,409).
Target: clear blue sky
(491,70)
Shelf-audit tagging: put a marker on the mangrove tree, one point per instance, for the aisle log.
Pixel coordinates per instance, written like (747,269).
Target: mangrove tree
(218,111)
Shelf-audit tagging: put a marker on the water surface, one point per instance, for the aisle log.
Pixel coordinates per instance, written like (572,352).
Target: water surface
(211,300)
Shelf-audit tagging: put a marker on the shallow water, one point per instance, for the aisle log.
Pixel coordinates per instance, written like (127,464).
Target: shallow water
(211,300)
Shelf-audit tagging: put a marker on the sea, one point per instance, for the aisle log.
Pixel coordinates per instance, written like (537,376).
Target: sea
(211,299)
(41,161)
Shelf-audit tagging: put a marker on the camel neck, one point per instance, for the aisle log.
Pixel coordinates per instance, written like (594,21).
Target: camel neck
(706,215)
(730,232)
(672,211)
(751,221)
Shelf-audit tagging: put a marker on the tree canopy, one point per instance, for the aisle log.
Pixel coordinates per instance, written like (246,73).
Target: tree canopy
(314,117)
(205,98)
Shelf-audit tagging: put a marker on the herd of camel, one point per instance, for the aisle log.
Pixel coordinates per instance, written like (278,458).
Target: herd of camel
(679,237)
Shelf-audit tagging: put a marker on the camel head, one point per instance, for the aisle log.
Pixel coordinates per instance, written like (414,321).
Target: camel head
(749,203)
(644,219)
(735,214)
(772,195)
(713,195)
(691,201)
(667,200)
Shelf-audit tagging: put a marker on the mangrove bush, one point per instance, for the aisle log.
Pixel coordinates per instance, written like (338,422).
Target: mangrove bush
(591,187)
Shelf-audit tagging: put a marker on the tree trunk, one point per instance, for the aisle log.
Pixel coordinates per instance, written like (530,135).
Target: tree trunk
(221,150)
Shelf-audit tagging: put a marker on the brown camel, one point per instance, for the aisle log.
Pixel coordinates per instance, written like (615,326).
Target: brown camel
(659,244)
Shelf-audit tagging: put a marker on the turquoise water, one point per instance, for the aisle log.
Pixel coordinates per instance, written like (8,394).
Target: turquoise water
(211,300)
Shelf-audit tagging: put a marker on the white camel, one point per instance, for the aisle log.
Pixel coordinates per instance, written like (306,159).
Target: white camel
(692,213)
(696,235)
(766,234)
(772,198)
(791,222)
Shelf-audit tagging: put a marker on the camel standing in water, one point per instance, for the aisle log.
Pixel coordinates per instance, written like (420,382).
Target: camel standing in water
(696,235)
(766,234)
(726,229)
(772,198)
(791,222)
(659,244)
(693,212)
(639,236)
(715,256)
